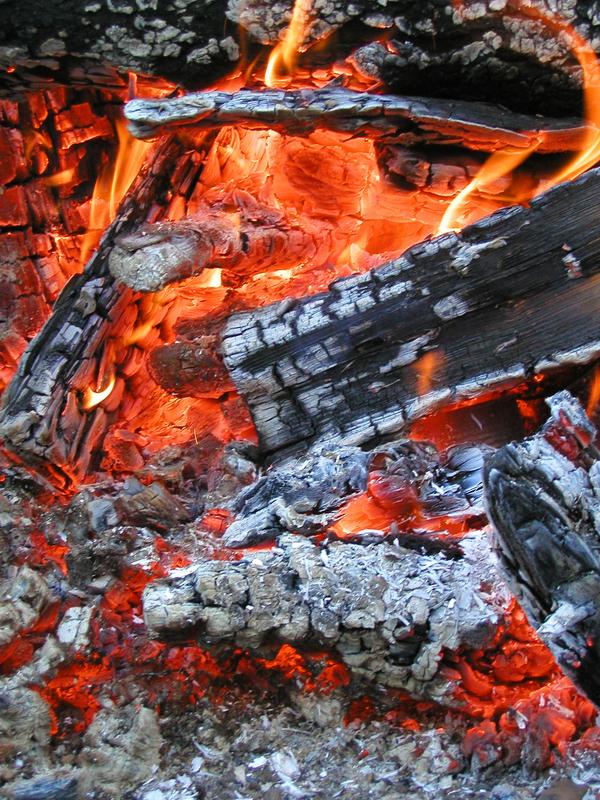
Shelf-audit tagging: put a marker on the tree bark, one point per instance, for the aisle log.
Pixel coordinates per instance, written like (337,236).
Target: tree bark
(542,497)
(515,295)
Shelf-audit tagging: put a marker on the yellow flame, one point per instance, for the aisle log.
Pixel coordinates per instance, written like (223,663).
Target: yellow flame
(504,162)
(497,166)
(284,56)
(60,178)
(91,398)
(112,183)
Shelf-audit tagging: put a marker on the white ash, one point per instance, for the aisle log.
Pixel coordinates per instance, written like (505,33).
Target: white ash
(364,601)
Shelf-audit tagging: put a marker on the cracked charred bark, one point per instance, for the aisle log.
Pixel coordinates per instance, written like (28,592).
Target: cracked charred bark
(514,295)
(484,50)
(406,120)
(543,498)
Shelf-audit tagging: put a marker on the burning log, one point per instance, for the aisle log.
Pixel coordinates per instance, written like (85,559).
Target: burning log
(235,237)
(542,496)
(47,417)
(407,120)
(389,612)
(512,296)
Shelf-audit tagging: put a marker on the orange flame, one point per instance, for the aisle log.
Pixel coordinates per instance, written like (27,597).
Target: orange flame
(497,166)
(284,56)
(91,399)
(594,395)
(111,184)
(503,162)
(426,367)
(60,178)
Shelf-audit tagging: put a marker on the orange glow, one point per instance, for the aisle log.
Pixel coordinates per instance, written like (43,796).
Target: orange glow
(112,183)
(284,56)
(594,394)
(501,164)
(60,178)
(497,166)
(91,398)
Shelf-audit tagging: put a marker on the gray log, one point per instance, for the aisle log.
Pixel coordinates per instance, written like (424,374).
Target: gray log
(478,126)
(543,498)
(514,295)
(389,612)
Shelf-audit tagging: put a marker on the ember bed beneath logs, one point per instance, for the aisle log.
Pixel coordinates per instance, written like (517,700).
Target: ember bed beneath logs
(299,361)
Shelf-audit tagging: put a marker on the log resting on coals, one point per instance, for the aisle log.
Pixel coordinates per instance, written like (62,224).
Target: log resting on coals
(514,295)
(406,120)
(390,612)
(543,498)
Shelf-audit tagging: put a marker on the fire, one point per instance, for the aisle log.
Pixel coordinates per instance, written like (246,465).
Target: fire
(503,163)
(91,399)
(284,56)
(112,183)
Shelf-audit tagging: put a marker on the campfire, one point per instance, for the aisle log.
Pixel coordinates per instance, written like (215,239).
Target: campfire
(299,372)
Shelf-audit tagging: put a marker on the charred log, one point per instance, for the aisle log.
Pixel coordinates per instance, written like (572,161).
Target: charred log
(478,50)
(44,417)
(512,296)
(406,120)
(389,612)
(543,499)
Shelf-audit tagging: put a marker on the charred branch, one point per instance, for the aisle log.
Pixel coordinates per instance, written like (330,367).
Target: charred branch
(406,120)
(389,612)
(542,496)
(512,296)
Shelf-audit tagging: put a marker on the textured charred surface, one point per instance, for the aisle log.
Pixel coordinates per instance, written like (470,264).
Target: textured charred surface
(403,119)
(305,495)
(543,496)
(388,611)
(239,238)
(43,418)
(512,296)
(51,143)
(485,50)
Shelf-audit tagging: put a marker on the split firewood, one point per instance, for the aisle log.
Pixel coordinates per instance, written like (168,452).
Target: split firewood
(406,120)
(242,238)
(543,497)
(390,612)
(515,295)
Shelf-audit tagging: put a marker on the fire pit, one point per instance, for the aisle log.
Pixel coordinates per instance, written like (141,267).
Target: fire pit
(298,357)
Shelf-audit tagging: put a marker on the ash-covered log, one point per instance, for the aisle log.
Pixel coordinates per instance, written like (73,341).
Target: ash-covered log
(482,50)
(515,295)
(406,120)
(543,498)
(388,611)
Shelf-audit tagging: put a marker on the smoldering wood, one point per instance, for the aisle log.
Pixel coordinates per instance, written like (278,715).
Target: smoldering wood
(42,420)
(389,612)
(305,495)
(543,498)
(235,236)
(406,120)
(515,295)
(472,51)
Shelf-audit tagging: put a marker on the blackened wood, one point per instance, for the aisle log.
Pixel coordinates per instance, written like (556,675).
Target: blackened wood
(515,295)
(42,420)
(543,498)
(407,120)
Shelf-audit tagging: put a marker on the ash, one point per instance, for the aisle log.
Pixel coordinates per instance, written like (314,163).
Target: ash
(95,704)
